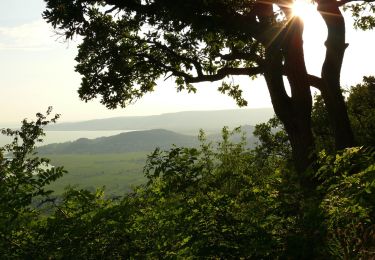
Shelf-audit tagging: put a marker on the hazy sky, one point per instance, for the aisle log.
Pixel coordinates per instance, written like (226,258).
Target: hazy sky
(37,71)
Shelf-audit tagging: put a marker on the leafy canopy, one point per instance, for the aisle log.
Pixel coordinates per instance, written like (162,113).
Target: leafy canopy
(128,45)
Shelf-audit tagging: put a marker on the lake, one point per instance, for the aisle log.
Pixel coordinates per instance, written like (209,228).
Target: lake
(66,136)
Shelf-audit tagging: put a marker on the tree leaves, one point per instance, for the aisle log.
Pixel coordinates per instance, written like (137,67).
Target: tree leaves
(23,180)
(127,46)
(349,187)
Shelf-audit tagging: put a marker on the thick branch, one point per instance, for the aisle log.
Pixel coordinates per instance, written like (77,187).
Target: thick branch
(111,10)
(315,81)
(222,73)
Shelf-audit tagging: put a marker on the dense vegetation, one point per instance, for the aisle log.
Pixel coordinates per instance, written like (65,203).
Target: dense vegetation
(220,200)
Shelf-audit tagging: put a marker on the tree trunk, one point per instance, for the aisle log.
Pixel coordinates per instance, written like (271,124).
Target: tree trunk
(295,111)
(331,69)
(295,70)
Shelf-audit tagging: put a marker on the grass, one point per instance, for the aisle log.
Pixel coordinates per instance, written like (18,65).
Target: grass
(117,172)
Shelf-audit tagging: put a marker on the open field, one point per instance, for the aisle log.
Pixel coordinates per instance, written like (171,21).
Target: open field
(117,172)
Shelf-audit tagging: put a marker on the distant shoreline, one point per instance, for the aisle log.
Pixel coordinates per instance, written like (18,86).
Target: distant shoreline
(61,136)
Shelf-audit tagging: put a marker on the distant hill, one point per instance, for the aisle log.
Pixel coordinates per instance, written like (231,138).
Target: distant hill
(136,141)
(125,142)
(181,122)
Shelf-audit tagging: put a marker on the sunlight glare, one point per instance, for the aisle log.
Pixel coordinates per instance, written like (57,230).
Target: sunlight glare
(304,9)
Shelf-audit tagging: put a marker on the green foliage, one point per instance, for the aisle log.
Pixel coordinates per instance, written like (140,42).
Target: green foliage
(23,177)
(210,203)
(216,201)
(321,126)
(363,14)
(83,225)
(273,140)
(361,109)
(348,183)
(233,91)
(205,202)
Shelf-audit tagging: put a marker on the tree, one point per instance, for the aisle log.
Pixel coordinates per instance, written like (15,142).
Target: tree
(361,109)
(23,179)
(128,45)
(215,201)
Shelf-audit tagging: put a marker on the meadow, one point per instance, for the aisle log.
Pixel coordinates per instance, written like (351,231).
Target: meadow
(117,172)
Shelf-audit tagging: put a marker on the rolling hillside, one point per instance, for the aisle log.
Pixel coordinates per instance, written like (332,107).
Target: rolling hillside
(122,143)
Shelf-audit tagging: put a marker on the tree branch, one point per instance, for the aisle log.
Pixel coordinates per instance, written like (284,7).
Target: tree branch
(111,10)
(315,81)
(222,73)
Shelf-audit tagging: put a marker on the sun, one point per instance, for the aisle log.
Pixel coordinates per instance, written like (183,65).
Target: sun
(304,9)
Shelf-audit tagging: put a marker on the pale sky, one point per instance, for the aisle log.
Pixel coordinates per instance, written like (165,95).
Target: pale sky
(37,71)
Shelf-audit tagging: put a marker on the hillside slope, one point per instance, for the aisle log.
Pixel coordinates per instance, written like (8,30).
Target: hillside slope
(125,142)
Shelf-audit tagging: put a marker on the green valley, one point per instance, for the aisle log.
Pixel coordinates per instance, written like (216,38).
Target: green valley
(118,172)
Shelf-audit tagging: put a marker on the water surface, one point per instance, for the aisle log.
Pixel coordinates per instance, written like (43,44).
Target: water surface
(66,136)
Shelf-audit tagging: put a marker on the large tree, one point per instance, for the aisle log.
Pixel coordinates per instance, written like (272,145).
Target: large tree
(128,44)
